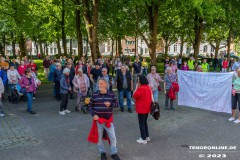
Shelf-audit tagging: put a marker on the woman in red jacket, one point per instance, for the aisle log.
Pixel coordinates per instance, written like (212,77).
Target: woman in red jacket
(143,99)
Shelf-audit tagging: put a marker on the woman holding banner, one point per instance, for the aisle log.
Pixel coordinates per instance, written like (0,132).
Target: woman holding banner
(169,78)
(236,98)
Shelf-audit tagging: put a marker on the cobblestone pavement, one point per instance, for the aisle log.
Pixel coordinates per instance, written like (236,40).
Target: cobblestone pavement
(13,133)
(49,136)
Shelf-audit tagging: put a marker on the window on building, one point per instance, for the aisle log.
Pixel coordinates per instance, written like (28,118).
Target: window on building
(205,48)
(175,48)
(212,49)
(51,50)
(55,50)
(168,49)
(146,50)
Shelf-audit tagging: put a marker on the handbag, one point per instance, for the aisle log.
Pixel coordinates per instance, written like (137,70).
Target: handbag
(159,88)
(155,109)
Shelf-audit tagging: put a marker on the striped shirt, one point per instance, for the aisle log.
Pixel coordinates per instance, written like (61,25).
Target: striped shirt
(97,106)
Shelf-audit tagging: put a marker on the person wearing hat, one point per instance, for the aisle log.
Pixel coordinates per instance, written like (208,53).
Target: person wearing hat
(56,80)
(81,84)
(94,74)
(64,89)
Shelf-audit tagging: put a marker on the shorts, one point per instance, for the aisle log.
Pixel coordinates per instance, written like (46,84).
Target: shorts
(236,101)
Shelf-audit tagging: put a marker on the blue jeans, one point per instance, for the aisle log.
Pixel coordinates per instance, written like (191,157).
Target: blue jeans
(155,95)
(94,87)
(29,99)
(111,134)
(144,71)
(128,95)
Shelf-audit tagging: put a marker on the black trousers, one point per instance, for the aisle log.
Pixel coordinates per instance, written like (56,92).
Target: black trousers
(142,119)
(57,89)
(71,93)
(64,102)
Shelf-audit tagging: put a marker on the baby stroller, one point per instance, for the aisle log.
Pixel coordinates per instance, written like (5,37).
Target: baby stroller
(14,97)
(83,103)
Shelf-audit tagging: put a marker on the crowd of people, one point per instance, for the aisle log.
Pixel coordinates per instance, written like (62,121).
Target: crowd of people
(92,78)
(19,76)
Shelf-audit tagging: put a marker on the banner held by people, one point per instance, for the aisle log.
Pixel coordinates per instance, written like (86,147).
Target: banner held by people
(209,91)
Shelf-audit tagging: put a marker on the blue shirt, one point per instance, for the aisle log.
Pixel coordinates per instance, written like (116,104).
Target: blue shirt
(235,65)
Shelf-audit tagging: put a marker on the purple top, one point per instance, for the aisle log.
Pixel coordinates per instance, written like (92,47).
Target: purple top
(24,81)
(185,68)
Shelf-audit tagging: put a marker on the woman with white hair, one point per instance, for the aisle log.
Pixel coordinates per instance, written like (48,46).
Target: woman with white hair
(169,78)
(153,80)
(64,89)
(81,84)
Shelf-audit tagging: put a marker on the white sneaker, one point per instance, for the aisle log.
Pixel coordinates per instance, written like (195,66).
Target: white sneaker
(34,97)
(67,111)
(124,103)
(148,139)
(140,140)
(62,113)
(231,119)
(132,103)
(237,121)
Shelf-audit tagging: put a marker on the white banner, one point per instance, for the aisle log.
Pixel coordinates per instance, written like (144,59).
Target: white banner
(210,91)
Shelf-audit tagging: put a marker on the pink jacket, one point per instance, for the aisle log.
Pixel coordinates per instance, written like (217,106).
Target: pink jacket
(25,82)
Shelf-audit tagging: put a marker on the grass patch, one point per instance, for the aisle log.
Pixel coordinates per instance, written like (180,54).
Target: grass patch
(41,76)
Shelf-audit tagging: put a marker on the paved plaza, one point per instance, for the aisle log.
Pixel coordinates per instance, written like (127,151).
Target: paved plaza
(50,136)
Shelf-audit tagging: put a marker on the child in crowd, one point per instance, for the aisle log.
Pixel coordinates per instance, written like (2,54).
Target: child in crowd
(185,66)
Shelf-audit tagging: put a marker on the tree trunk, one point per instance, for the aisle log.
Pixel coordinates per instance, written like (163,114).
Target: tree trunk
(198,30)
(58,47)
(64,38)
(119,45)
(166,50)
(78,29)
(13,45)
(41,48)
(112,46)
(135,46)
(91,23)
(36,45)
(71,50)
(87,42)
(229,43)
(46,49)
(217,48)
(4,44)
(181,45)
(1,48)
(22,46)
(153,29)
